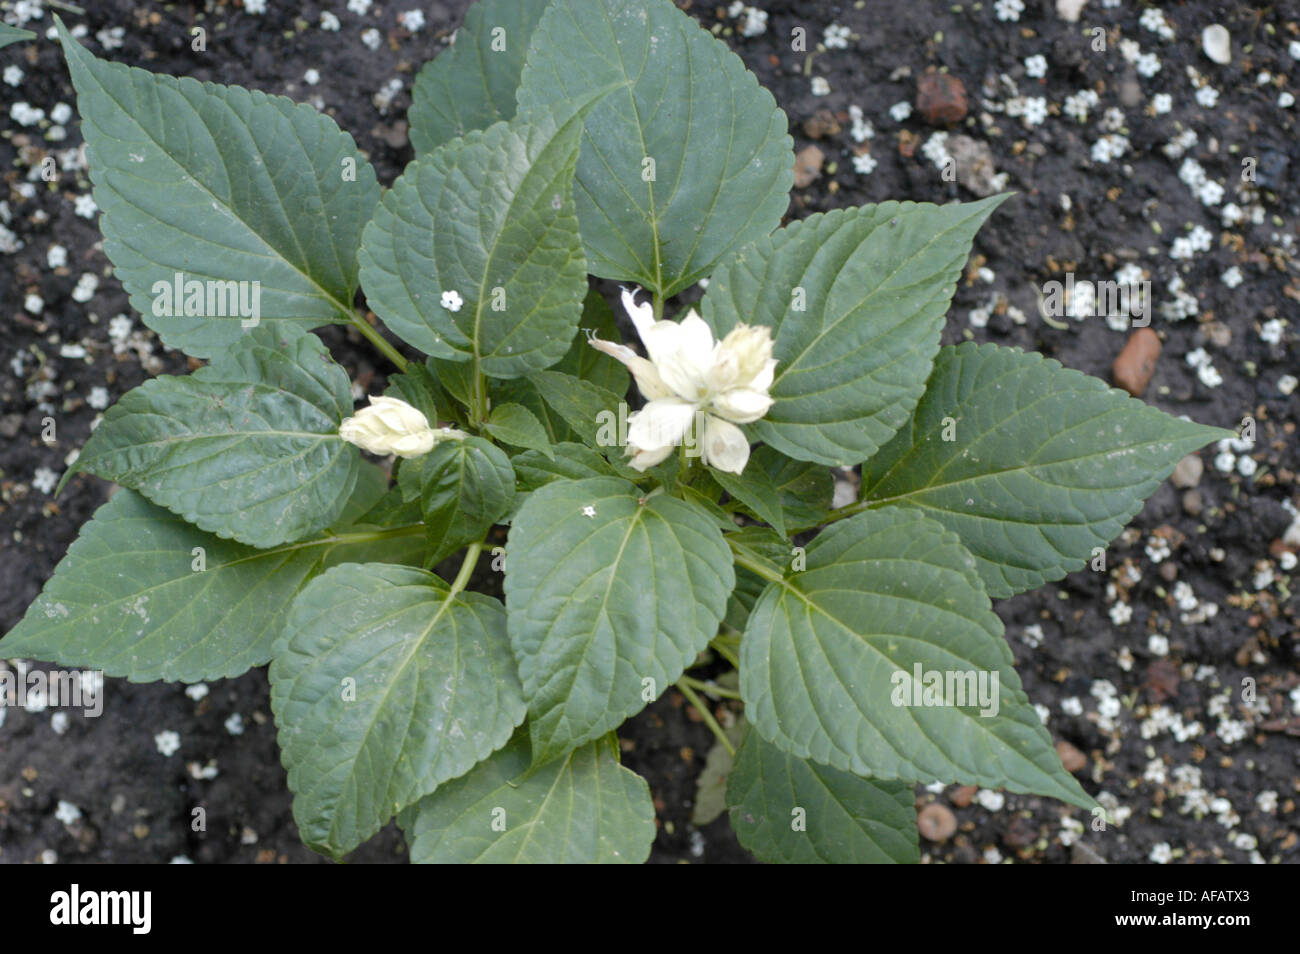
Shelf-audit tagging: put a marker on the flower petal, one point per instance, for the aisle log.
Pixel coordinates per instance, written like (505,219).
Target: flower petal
(724,446)
(661,423)
(642,315)
(643,459)
(742,405)
(647,377)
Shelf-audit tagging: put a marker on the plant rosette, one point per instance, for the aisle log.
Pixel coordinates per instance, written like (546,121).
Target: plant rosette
(646,547)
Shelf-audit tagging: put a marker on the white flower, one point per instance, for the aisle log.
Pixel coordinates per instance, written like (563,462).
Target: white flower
(688,374)
(391,426)
(452,301)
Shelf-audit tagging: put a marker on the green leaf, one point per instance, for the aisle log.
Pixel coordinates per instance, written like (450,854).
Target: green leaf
(472,84)
(456,378)
(221,184)
(583,808)
(144,595)
(372,485)
(393,510)
(419,387)
(584,361)
(720,517)
(855,299)
(806,488)
(247,447)
(567,462)
(846,820)
(491,218)
(517,426)
(384,686)
(590,410)
(1045,463)
(9,34)
(607,589)
(723,160)
(883,593)
(755,489)
(467,486)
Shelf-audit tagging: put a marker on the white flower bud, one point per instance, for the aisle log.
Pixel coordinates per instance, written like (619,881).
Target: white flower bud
(391,426)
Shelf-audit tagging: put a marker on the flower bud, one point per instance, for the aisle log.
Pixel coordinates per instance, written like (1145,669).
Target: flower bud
(391,426)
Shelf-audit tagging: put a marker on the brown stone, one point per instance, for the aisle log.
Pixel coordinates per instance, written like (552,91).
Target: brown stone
(936,823)
(1137,362)
(1071,758)
(1187,473)
(941,98)
(1192,503)
(807,166)
(961,797)
(821,124)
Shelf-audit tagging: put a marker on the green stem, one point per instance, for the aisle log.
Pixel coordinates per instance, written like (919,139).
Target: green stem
(852,510)
(373,535)
(710,688)
(478,412)
(466,568)
(378,340)
(704,712)
(658,301)
(722,645)
(754,563)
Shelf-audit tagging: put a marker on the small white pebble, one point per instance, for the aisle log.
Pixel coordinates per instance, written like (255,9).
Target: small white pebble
(67,812)
(820,87)
(45,480)
(412,20)
(167,742)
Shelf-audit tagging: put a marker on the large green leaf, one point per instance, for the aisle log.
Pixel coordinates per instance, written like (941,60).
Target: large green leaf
(145,595)
(582,808)
(489,217)
(222,184)
(722,159)
(247,447)
(466,486)
(384,686)
(10,34)
(855,299)
(790,811)
(611,595)
(883,593)
(1043,463)
(472,84)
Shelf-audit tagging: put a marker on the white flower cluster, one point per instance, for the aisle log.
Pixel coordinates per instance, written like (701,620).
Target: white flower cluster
(687,374)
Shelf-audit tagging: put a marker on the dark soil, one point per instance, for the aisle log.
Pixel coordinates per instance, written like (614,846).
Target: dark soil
(137,805)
